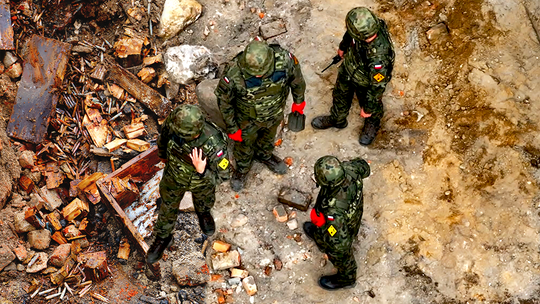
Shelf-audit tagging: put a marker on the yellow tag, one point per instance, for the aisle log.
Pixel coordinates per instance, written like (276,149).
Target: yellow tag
(332,230)
(223,164)
(379,77)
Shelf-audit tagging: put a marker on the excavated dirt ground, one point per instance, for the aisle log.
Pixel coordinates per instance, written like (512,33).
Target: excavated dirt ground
(451,210)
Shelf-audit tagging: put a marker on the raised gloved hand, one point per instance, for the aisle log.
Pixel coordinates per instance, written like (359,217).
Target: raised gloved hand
(236,136)
(317,218)
(298,107)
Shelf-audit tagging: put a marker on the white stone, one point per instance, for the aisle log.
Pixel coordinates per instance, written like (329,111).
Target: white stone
(186,63)
(177,14)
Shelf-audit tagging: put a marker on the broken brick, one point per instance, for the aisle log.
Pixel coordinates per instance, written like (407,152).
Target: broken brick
(280,213)
(221,246)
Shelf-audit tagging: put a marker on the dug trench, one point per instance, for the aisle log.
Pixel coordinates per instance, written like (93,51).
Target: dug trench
(450,209)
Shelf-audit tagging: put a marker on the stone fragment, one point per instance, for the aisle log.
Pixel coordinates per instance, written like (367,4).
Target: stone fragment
(177,14)
(26,160)
(239,220)
(14,71)
(6,256)
(191,269)
(280,213)
(39,264)
(294,198)
(9,59)
(20,267)
(239,273)
(188,63)
(249,285)
(29,256)
(60,255)
(208,101)
(21,225)
(292,224)
(225,260)
(10,267)
(186,204)
(71,231)
(21,253)
(39,239)
(51,199)
(437,33)
(272,29)
(221,246)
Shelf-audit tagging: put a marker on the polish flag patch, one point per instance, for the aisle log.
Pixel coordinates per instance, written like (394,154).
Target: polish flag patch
(330,218)
(226,79)
(378,66)
(220,153)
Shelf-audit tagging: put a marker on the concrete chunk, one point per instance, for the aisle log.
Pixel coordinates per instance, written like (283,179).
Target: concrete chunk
(6,256)
(249,285)
(39,239)
(226,260)
(280,213)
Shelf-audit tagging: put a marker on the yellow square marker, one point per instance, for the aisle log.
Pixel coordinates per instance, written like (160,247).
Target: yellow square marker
(223,164)
(379,77)
(332,230)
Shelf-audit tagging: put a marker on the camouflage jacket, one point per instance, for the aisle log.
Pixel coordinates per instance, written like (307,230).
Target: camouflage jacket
(369,63)
(242,97)
(176,150)
(346,200)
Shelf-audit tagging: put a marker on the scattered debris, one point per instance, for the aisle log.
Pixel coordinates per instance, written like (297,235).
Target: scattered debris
(225,260)
(272,29)
(438,33)
(280,213)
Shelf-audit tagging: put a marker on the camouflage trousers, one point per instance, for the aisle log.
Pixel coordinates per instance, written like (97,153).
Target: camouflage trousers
(335,238)
(257,142)
(204,196)
(369,97)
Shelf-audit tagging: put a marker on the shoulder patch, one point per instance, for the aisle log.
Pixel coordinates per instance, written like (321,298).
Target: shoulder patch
(226,80)
(220,153)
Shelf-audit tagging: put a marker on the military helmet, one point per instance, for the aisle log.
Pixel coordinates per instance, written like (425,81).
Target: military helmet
(329,171)
(362,23)
(257,58)
(187,121)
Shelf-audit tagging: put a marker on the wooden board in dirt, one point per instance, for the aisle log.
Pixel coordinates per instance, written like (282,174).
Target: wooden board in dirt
(6,30)
(44,68)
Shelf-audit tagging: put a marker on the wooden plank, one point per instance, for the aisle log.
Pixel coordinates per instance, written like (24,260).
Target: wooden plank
(44,67)
(115,144)
(54,177)
(138,89)
(74,209)
(89,180)
(97,127)
(6,30)
(123,250)
(142,167)
(134,130)
(138,145)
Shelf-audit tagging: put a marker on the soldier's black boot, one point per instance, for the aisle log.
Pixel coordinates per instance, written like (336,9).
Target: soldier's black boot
(238,181)
(158,247)
(309,229)
(206,222)
(371,127)
(333,282)
(325,122)
(275,164)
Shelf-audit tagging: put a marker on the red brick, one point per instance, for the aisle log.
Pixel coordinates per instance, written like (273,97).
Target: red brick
(60,254)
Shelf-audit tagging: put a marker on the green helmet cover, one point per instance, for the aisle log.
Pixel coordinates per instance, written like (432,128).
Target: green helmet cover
(329,171)
(187,121)
(257,58)
(362,23)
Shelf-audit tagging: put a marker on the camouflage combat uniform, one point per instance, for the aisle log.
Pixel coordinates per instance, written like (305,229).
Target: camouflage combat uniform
(342,208)
(180,174)
(366,70)
(255,105)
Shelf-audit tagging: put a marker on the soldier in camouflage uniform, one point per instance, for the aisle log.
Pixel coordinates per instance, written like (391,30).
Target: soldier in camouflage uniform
(336,217)
(251,96)
(195,152)
(366,70)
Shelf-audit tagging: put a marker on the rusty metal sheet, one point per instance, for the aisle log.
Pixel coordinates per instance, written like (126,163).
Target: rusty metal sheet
(44,67)
(142,92)
(6,30)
